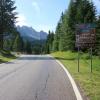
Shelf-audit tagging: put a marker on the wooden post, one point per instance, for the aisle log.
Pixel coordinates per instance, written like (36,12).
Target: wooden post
(91,60)
(78,59)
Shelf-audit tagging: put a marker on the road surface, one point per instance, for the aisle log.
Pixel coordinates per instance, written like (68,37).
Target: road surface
(34,77)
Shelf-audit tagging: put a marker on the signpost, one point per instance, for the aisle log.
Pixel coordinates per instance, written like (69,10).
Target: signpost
(85,38)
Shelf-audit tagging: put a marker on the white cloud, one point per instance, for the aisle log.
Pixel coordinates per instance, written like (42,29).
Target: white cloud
(21,20)
(97,4)
(36,7)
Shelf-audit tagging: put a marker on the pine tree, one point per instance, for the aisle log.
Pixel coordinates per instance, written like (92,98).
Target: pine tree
(57,37)
(28,47)
(7,18)
(7,44)
(18,45)
(49,42)
(85,11)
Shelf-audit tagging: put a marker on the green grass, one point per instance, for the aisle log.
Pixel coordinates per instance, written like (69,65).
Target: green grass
(6,56)
(89,82)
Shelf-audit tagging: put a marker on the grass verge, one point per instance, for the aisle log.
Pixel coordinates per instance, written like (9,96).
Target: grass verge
(89,82)
(6,56)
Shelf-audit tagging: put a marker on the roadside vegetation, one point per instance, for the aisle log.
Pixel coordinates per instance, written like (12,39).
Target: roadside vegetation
(6,56)
(89,82)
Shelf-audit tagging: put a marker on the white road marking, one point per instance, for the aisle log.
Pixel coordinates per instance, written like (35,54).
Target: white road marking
(75,88)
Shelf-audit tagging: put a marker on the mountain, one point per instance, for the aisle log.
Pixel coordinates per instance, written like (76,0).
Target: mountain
(31,34)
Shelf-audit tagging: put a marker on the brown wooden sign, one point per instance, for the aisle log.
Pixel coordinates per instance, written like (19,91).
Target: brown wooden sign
(85,35)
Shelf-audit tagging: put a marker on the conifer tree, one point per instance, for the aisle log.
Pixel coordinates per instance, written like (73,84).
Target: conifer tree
(28,47)
(18,45)
(49,42)
(7,18)
(57,38)
(79,12)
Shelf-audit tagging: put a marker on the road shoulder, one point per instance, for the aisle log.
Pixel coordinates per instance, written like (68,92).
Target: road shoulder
(76,89)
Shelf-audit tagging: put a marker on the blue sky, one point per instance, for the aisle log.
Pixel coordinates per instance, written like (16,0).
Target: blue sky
(42,14)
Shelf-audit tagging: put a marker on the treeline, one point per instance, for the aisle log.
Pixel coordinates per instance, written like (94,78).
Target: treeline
(78,12)
(16,43)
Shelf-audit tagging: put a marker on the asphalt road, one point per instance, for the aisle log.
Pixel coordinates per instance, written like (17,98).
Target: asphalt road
(34,78)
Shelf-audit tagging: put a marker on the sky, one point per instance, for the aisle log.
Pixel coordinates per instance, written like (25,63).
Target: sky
(42,14)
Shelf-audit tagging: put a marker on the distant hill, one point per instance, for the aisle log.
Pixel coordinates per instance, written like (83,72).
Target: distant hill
(31,34)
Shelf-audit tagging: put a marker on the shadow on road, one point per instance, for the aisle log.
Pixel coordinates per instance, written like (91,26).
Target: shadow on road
(43,58)
(36,58)
(10,63)
(59,58)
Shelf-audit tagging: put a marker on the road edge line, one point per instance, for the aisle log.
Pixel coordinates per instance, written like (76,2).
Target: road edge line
(74,86)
